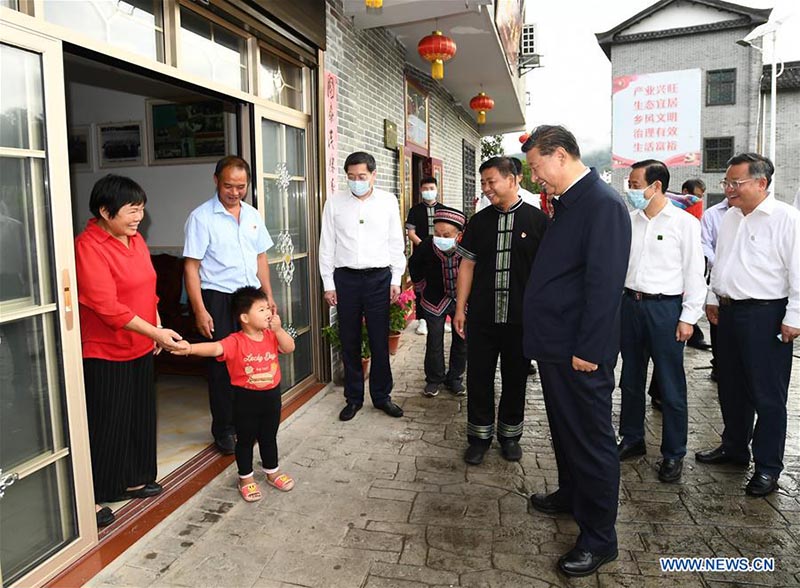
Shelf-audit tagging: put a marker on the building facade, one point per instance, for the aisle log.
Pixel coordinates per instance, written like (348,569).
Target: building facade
(158,90)
(673,35)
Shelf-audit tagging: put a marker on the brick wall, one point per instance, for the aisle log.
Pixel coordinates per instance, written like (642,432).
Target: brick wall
(371,68)
(787,144)
(706,51)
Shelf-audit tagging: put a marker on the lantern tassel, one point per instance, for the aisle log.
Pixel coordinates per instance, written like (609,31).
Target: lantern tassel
(481,117)
(437,69)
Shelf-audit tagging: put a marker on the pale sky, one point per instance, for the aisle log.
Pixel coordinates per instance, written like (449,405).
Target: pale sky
(574,86)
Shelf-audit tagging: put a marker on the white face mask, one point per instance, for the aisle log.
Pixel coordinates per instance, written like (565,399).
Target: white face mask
(444,243)
(429,195)
(358,187)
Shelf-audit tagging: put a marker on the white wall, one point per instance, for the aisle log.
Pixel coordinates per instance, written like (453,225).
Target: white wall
(678,16)
(172,190)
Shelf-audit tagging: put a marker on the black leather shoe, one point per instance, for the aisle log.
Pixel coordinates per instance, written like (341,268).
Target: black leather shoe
(549,503)
(474,454)
(150,489)
(713,374)
(627,451)
(104,517)
(702,344)
(532,371)
(511,450)
(226,445)
(761,484)
(391,409)
(718,455)
(670,470)
(578,563)
(349,411)
(656,403)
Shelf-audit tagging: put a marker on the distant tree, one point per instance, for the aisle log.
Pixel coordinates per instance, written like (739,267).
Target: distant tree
(491,146)
(526,182)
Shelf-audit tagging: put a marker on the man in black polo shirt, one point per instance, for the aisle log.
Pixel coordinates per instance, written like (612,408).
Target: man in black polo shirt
(419,226)
(498,248)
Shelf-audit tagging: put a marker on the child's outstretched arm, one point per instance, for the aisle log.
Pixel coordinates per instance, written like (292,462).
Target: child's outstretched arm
(285,341)
(213,349)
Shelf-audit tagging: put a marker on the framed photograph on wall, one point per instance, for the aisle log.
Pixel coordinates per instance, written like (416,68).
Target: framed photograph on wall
(79,147)
(190,132)
(416,115)
(119,144)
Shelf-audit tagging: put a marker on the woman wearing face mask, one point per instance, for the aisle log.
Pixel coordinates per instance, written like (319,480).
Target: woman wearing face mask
(434,269)
(419,226)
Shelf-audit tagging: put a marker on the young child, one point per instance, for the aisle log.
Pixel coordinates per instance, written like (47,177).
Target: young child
(251,356)
(434,271)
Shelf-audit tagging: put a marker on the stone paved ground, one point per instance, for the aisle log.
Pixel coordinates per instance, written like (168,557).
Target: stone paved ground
(384,502)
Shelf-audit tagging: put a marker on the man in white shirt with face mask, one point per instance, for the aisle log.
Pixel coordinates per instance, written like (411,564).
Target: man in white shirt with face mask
(663,299)
(419,226)
(361,261)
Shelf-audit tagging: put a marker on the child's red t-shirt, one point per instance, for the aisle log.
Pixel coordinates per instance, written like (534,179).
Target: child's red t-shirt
(252,364)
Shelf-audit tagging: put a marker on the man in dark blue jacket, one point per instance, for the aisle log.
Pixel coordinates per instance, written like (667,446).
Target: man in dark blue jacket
(571,326)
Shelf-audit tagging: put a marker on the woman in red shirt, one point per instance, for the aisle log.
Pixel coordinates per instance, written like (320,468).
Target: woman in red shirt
(120,332)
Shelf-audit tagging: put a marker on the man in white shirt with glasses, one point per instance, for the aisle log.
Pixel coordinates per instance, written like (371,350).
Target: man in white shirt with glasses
(361,261)
(755,303)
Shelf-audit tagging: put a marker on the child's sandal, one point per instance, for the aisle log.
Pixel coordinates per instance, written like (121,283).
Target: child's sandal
(283,482)
(250,492)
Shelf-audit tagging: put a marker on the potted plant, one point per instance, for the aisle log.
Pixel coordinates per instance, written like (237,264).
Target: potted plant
(398,317)
(331,333)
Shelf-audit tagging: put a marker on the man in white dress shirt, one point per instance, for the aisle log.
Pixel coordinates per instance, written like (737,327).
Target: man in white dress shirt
(664,294)
(755,303)
(361,261)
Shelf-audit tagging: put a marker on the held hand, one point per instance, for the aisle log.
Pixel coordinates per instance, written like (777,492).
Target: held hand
(712,313)
(272,305)
(330,297)
(181,348)
(789,334)
(394,294)
(459,324)
(684,331)
(205,324)
(581,365)
(275,322)
(166,339)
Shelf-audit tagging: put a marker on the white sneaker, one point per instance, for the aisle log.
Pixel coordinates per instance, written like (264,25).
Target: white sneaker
(422,327)
(448,328)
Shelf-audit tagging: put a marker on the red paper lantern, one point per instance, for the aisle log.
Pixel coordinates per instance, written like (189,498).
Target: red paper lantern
(437,49)
(524,137)
(481,103)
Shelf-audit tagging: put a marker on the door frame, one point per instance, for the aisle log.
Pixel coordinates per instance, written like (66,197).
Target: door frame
(65,297)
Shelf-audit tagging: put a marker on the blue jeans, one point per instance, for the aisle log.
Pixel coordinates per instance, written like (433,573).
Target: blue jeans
(648,330)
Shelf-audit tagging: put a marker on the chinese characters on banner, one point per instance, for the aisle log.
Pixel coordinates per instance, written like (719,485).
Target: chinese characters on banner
(331,130)
(657,116)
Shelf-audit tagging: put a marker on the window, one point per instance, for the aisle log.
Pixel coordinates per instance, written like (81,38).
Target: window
(280,81)
(721,87)
(470,184)
(133,25)
(716,153)
(212,51)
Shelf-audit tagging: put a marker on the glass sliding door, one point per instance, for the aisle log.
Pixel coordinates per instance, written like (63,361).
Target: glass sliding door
(45,482)
(283,182)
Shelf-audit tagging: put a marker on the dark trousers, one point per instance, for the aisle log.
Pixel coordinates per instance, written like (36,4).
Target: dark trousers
(434,351)
(220,396)
(419,312)
(485,343)
(648,330)
(257,415)
(654,390)
(364,295)
(578,408)
(753,378)
(121,413)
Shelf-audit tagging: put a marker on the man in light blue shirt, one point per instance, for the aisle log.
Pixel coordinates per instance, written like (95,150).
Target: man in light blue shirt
(225,249)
